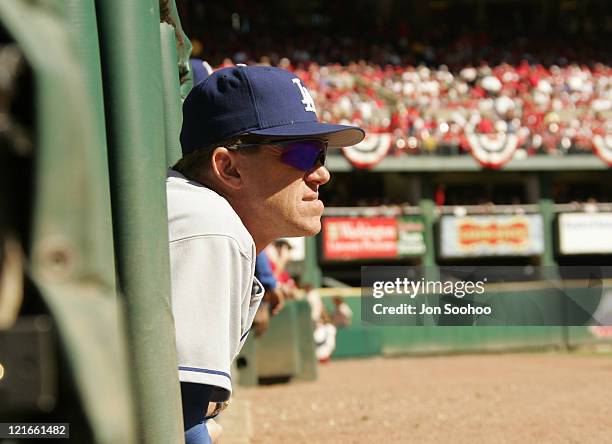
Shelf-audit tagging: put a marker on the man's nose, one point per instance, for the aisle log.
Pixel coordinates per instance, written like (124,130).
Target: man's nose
(320,176)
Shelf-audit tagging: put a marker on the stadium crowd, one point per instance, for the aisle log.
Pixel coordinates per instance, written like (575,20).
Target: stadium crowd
(552,110)
(555,110)
(428,91)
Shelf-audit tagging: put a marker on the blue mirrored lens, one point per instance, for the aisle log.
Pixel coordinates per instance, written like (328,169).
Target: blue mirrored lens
(304,154)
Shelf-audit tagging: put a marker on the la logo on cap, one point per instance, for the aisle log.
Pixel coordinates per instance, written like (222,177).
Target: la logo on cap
(307,100)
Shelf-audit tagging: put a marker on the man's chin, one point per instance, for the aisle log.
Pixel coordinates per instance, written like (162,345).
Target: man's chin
(315,228)
(309,229)
(313,232)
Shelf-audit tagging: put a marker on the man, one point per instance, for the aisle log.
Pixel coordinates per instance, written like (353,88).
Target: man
(253,154)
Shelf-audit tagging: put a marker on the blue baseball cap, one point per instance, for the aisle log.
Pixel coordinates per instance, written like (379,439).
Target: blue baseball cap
(260,100)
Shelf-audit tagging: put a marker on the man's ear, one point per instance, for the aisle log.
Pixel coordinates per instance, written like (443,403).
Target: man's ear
(225,168)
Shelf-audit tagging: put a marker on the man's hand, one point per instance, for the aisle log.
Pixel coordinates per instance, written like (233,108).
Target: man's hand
(276,299)
(214,430)
(262,319)
(212,406)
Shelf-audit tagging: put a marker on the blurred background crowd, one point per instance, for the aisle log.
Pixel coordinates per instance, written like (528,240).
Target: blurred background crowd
(429,74)
(555,110)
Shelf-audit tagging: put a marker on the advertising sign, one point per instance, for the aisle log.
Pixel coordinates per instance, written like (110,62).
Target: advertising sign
(350,238)
(491,235)
(585,233)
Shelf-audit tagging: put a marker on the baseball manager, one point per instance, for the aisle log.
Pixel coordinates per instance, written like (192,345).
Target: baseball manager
(253,162)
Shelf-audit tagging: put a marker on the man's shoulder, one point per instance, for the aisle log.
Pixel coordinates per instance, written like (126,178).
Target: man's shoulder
(195,210)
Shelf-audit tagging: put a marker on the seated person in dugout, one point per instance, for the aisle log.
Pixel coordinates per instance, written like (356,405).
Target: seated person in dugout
(253,162)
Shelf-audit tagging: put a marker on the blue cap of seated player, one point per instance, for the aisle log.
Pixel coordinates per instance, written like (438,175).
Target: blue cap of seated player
(260,100)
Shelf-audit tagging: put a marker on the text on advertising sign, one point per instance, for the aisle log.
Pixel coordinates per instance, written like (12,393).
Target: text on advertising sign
(491,235)
(349,238)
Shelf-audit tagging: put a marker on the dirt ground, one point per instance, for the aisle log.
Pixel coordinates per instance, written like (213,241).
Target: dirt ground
(519,398)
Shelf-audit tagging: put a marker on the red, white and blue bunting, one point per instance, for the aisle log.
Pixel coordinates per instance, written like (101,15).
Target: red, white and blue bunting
(603,147)
(492,150)
(370,151)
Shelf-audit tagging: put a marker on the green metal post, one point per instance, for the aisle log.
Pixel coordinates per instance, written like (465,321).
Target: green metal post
(428,207)
(547,211)
(131,61)
(81,16)
(172,99)
(70,257)
(547,260)
(312,271)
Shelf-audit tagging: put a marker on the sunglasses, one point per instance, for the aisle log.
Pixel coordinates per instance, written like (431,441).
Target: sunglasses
(305,154)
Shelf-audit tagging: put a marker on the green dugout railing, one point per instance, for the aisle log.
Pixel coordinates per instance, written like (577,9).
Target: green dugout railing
(105,117)
(67,240)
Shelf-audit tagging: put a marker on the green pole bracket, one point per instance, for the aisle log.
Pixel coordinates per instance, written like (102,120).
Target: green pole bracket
(169,15)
